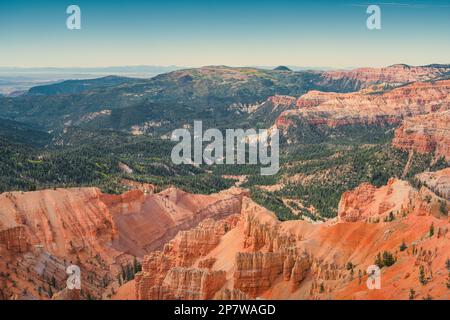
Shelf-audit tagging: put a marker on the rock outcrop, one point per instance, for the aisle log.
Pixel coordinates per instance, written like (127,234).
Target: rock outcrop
(46,231)
(14,239)
(256,271)
(260,257)
(368,202)
(438,182)
(240,251)
(188,284)
(428,133)
(282,100)
(182,252)
(234,294)
(395,75)
(391,106)
(301,266)
(189,245)
(159,217)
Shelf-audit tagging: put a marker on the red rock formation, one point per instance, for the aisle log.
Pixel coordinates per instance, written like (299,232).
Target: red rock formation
(428,133)
(368,202)
(337,109)
(299,260)
(97,232)
(206,263)
(227,294)
(14,239)
(299,270)
(264,234)
(256,271)
(313,98)
(61,221)
(146,188)
(156,219)
(283,122)
(438,182)
(282,100)
(183,251)
(188,284)
(189,245)
(349,209)
(67,294)
(395,74)
(233,256)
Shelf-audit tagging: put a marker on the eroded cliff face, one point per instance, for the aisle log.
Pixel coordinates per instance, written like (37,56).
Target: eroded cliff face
(184,251)
(240,251)
(157,218)
(14,239)
(188,284)
(391,106)
(438,182)
(43,232)
(395,74)
(282,100)
(256,271)
(227,294)
(424,134)
(367,202)
(258,256)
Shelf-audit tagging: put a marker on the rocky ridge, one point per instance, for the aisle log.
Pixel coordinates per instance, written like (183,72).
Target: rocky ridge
(43,232)
(259,256)
(395,74)
(392,106)
(429,133)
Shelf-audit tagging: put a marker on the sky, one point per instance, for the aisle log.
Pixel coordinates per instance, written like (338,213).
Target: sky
(235,33)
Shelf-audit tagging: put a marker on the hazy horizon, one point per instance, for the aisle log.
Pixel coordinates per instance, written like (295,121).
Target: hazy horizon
(232,33)
(4,68)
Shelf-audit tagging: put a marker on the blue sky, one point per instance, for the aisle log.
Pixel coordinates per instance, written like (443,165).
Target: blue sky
(237,33)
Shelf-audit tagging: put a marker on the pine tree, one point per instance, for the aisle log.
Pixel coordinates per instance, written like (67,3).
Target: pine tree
(403,246)
(431,230)
(129,273)
(136,266)
(412,294)
(391,216)
(422,278)
(322,288)
(388,259)
(50,291)
(379,261)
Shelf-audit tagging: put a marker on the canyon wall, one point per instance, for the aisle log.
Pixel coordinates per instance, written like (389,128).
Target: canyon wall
(257,256)
(43,232)
(391,106)
(438,182)
(429,133)
(396,74)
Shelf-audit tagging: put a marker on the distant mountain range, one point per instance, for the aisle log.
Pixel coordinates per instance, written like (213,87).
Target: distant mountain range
(217,94)
(15,81)
(109,70)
